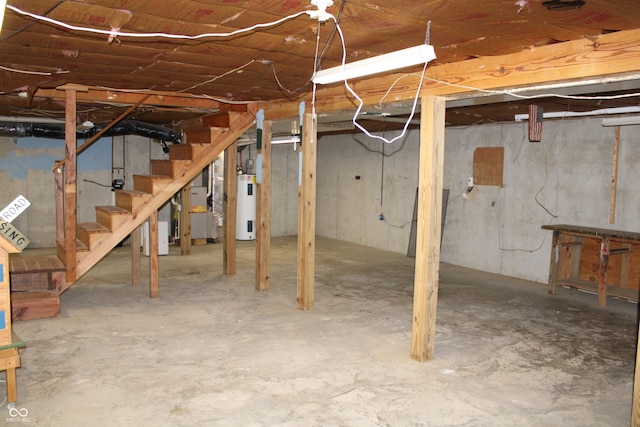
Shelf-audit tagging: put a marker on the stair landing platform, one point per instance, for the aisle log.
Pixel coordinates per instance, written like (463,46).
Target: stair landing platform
(35,273)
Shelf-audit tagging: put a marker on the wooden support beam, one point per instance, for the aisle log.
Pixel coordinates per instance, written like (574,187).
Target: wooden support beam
(156,98)
(135,256)
(230,209)
(613,55)
(431,166)
(614,177)
(185,220)
(263,211)
(307,214)
(70,195)
(154,261)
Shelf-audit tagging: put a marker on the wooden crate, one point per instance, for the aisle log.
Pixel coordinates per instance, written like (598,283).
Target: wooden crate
(34,305)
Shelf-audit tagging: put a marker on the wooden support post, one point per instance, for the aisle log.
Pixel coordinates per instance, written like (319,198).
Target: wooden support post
(135,256)
(425,291)
(307,214)
(263,212)
(614,178)
(230,206)
(70,196)
(185,220)
(154,265)
(102,131)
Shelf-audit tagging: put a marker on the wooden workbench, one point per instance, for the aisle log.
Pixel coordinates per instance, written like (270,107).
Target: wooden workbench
(599,260)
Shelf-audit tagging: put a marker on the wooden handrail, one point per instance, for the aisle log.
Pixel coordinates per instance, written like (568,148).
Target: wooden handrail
(103,130)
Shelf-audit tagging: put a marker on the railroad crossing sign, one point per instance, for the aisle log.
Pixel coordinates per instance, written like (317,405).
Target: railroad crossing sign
(8,214)
(15,208)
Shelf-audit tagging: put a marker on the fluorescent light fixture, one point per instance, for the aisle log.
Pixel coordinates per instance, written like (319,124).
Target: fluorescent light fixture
(378,64)
(563,114)
(621,121)
(285,140)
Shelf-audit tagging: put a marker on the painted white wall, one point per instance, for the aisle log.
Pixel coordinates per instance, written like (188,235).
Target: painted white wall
(568,173)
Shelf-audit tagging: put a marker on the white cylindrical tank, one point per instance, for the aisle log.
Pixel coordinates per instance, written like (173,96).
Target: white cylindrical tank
(246,214)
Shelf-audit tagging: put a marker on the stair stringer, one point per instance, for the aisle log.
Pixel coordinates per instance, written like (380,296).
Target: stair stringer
(87,259)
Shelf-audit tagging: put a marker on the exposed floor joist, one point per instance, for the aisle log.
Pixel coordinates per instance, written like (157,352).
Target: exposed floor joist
(615,56)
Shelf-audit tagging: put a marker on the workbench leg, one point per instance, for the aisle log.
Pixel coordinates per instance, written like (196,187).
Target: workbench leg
(602,277)
(553,263)
(12,386)
(635,410)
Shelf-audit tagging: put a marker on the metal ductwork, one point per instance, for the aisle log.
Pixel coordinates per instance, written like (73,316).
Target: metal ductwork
(57,131)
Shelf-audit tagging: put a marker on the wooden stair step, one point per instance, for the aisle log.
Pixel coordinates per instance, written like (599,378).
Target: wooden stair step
(151,184)
(218,119)
(80,247)
(205,135)
(34,305)
(19,263)
(91,232)
(131,200)
(170,168)
(111,216)
(187,151)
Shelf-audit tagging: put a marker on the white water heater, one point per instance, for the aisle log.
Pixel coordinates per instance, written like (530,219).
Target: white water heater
(246,214)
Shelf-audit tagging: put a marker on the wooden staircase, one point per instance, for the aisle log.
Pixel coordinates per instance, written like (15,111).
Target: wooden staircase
(204,143)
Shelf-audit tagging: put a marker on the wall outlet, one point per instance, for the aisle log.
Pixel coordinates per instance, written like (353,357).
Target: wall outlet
(470,181)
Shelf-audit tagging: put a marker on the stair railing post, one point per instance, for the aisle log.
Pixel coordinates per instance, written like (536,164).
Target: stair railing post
(59,198)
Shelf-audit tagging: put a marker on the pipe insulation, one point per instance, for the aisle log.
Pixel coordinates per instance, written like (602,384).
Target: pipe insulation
(124,127)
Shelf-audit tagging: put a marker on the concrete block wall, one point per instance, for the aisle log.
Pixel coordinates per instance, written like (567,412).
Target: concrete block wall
(26,168)
(284,195)
(568,173)
(360,181)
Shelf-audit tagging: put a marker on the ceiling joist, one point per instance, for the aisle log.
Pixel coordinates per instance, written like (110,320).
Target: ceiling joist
(160,99)
(614,55)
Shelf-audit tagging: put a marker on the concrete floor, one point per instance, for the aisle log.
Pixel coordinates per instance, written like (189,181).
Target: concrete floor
(212,351)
